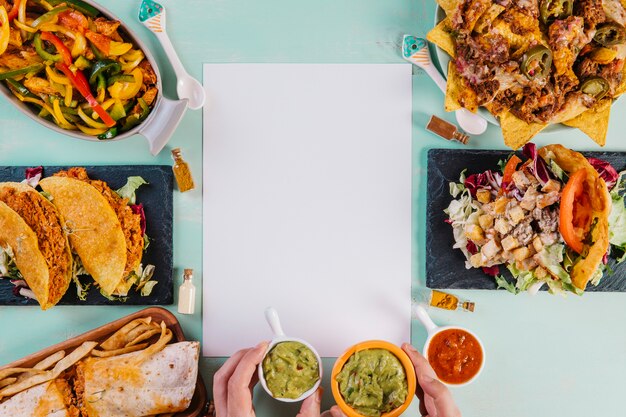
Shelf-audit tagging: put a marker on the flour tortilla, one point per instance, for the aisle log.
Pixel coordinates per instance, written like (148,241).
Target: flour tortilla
(572,161)
(95,232)
(116,386)
(44,219)
(16,234)
(43,400)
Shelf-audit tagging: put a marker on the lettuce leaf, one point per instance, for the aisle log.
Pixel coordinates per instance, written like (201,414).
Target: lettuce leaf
(503,283)
(617,217)
(128,190)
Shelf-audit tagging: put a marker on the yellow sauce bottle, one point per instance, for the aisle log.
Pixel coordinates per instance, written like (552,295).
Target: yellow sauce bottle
(439,299)
(182,173)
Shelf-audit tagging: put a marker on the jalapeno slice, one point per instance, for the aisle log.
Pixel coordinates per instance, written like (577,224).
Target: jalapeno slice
(610,34)
(550,10)
(595,86)
(537,62)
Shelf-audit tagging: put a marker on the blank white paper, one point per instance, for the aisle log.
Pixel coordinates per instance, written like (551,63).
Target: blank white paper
(306,204)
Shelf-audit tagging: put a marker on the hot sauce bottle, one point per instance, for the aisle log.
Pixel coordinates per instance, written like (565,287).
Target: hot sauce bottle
(182,173)
(439,299)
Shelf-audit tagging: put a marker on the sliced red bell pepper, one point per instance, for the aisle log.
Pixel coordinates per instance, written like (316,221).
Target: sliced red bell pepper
(14,10)
(79,81)
(575,211)
(74,20)
(58,43)
(509,169)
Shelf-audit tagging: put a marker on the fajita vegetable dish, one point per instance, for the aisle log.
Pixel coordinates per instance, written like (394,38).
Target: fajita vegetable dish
(551,217)
(74,67)
(73,227)
(535,63)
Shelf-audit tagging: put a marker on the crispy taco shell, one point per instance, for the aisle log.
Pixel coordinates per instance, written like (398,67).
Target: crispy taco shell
(44,219)
(95,231)
(15,233)
(595,187)
(130,222)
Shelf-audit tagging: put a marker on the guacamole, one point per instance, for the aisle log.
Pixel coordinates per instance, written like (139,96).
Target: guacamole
(290,370)
(373,382)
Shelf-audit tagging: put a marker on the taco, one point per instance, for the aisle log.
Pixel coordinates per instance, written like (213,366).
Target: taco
(44,220)
(130,223)
(95,233)
(584,215)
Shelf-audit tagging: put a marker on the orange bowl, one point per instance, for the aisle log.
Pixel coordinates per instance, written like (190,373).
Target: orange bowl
(373,344)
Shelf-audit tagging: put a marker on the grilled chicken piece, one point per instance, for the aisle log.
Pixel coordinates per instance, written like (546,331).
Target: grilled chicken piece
(40,86)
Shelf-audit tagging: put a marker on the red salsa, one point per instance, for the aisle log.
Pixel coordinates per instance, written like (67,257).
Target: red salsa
(455,355)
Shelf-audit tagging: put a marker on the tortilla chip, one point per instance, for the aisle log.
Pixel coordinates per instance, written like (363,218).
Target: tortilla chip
(572,161)
(15,233)
(95,232)
(594,122)
(517,132)
(485,21)
(449,6)
(441,35)
(458,94)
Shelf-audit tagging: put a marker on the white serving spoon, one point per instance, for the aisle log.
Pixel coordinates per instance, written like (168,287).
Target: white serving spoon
(415,50)
(152,15)
(271,315)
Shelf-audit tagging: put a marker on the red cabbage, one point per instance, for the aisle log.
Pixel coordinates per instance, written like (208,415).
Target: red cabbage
(33,175)
(471,247)
(492,270)
(606,171)
(488,180)
(539,169)
(138,209)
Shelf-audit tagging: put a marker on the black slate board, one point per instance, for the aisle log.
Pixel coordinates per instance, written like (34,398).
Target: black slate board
(445,267)
(156,198)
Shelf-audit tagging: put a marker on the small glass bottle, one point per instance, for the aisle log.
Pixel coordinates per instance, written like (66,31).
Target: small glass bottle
(446,130)
(182,173)
(187,294)
(439,299)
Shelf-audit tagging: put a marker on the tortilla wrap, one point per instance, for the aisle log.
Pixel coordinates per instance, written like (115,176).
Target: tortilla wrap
(595,187)
(44,219)
(95,231)
(117,386)
(15,233)
(44,400)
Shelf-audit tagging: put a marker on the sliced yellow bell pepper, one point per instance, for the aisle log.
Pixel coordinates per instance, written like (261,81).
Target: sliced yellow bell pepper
(5,30)
(68,95)
(125,91)
(119,48)
(90,131)
(58,115)
(25,26)
(91,122)
(56,77)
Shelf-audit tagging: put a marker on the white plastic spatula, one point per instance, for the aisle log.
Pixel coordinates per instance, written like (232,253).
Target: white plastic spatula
(152,15)
(415,50)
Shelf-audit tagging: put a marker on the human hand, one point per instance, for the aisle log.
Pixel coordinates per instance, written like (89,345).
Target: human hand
(435,398)
(234,382)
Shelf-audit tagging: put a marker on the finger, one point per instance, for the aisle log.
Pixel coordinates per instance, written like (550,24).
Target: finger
(220,383)
(239,395)
(311,406)
(335,411)
(422,368)
(442,397)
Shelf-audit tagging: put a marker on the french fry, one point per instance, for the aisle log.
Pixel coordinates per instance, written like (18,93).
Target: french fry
(166,336)
(50,360)
(142,337)
(116,352)
(45,376)
(12,371)
(133,334)
(118,339)
(6,382)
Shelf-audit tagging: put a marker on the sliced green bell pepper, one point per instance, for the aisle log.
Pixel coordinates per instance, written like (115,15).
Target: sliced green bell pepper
(109,134)
(41,51)
(21,71)
(46,17)
(21,90)
(134,119)
(104,67)
(81,6)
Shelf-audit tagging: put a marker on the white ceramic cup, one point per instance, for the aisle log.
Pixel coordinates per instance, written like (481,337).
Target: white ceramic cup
(433,329)
(271,315)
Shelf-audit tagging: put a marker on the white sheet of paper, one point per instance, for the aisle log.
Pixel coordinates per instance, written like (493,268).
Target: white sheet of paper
(306,204)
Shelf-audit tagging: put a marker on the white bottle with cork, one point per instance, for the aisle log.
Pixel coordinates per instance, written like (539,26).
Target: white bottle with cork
(187,294)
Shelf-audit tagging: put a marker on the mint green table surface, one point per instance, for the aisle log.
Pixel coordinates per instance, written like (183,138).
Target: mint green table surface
(546,355)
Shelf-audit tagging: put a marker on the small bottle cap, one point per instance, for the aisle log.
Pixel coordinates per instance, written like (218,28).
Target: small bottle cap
(188,274)
(176,153)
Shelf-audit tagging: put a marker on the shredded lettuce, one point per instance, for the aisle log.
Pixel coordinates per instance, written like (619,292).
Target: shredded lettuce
(128,190)
(503,283)
(78,269)
(8,269)
(145,284)
(617,217)
(524,279)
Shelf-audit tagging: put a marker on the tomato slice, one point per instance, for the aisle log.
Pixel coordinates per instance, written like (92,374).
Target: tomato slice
(510,168)
(575,211)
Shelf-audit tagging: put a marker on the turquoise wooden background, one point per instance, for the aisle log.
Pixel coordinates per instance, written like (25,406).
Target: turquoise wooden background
(546,356)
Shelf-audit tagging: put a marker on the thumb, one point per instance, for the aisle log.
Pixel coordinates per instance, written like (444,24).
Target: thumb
(441,395)
(311,406)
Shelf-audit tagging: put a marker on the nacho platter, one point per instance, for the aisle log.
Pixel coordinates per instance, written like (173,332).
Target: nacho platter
(156,198)
(530,66)
(199,400)
(445,266)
